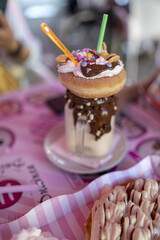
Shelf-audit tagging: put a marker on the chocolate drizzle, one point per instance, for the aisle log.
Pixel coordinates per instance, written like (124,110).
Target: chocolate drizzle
(93,69)
(98,112)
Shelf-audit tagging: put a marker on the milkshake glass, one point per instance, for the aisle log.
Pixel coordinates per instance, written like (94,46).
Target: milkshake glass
(90,106)
(89,124)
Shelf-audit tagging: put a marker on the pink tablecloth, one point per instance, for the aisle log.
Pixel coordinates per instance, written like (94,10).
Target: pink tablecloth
(24,122)
(65,215)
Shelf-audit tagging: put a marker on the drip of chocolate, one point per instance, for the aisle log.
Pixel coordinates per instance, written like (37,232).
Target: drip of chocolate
(93,69)
(98,112)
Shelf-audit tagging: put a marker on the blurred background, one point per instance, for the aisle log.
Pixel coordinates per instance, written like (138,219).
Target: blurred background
(132,31)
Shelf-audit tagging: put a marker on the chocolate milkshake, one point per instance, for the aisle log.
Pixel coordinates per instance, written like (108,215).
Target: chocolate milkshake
(90,100)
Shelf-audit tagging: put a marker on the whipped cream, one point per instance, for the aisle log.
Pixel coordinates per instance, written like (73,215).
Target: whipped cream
(33,233)
(101,61)
(70,67)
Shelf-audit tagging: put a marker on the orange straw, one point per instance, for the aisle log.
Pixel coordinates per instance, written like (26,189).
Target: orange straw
(55,39)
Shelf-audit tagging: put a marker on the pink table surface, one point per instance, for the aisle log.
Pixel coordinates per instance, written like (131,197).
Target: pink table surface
(64,216)
(24,122)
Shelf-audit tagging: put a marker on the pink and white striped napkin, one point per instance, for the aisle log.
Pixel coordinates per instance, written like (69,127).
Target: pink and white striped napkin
(64,216)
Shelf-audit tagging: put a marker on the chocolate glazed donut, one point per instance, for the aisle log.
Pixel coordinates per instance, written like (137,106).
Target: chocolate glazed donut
(95,87)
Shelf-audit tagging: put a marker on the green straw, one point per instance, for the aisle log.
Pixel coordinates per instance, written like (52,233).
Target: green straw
(102,31)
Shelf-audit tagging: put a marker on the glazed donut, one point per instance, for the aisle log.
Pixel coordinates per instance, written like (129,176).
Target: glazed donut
(95,87)
(94,76)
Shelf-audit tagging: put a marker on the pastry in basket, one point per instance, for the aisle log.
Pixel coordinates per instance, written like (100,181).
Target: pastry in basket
(33,233)
(129,211)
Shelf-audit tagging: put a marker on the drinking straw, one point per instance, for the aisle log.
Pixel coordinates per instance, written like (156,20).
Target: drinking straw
(19,188)
(102,31)
(56,40)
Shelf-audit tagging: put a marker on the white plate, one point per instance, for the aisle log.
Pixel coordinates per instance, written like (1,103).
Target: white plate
(118,152)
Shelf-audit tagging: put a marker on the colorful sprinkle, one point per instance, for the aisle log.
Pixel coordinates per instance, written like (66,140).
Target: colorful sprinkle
(90,61)
(74,54)
(79,57)
(96,56)
(89,55)
(85,58)
(86,50)
(83,64)
(109,64)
